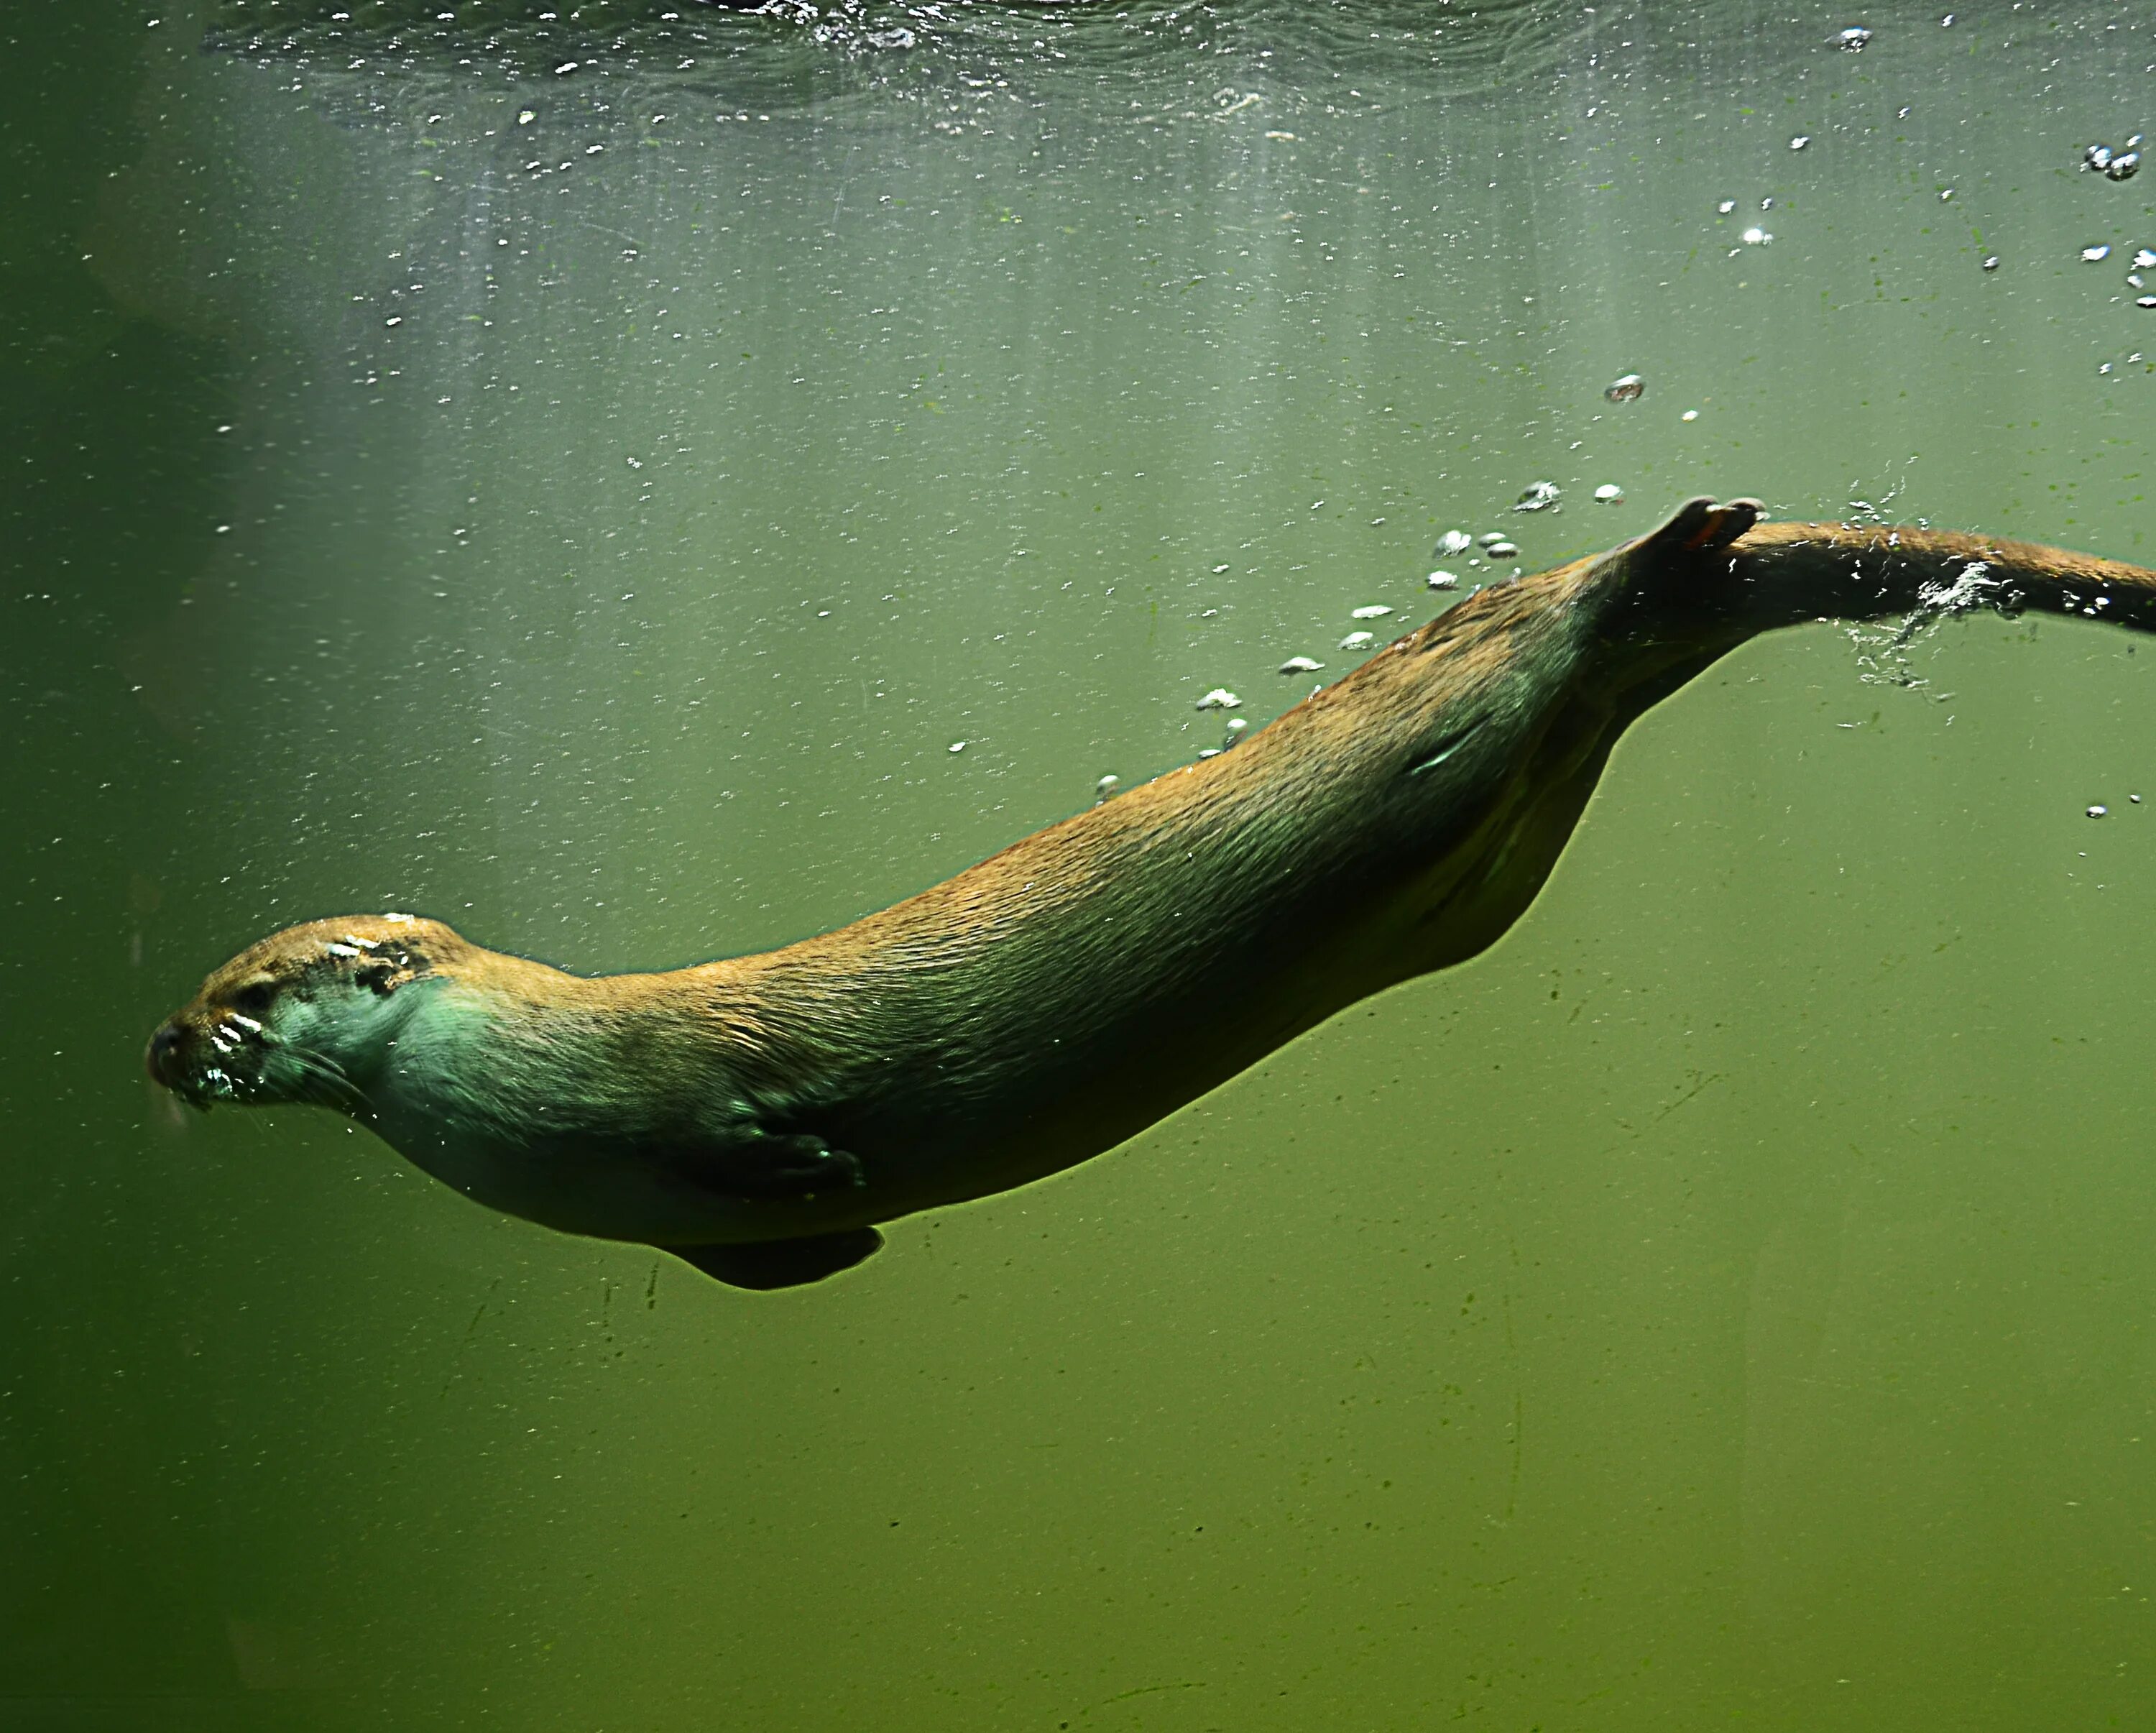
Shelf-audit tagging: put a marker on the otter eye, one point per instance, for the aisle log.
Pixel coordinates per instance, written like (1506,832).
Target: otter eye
(255,998)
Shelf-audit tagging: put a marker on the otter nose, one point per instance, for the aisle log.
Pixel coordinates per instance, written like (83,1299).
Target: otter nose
(162,1057)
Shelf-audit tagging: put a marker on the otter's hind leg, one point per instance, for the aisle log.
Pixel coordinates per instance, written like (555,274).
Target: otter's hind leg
(1701,525)
(782,1263)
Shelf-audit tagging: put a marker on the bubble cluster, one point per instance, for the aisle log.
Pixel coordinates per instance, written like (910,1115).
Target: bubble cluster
(2119,165)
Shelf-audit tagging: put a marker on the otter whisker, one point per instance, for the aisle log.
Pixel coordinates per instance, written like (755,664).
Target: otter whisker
(321,1068)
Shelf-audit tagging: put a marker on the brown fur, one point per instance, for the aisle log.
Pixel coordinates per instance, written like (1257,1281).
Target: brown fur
(1061,996)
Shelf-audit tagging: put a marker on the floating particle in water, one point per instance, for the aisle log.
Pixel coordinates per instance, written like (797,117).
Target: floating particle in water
(1624,390)
(1236,724)
(1756,237)
(1375,610)
(1800,140)
(1990,262)
(1301,664)
(565,68)
(1851,41)
(1502,550)
(1358,640)
(1220,569)
(1945,193)
(2123,167)
(1219,698)
(900,38)
(957,746)
(1609,494)
(1106,786)
(1209,752)
(1443,580)
(2098,811)
(1689,415)
(2096,157)
(1726,207)
(525,116)
(2094,255)
(2143,259)
(1453,543)
(1539,496)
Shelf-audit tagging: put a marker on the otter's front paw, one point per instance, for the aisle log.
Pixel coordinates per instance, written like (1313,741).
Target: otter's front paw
(801,1165)
(807,1161)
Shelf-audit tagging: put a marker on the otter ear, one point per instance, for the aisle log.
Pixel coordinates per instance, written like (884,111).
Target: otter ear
(385,975)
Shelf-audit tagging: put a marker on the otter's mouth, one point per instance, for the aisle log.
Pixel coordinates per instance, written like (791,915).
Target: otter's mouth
(175,1060)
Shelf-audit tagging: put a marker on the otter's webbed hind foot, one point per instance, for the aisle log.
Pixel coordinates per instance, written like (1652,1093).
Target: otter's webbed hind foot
(1700,526)
(769,1264)
(1672,579)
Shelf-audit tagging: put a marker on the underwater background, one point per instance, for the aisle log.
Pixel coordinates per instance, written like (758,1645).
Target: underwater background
(643,483)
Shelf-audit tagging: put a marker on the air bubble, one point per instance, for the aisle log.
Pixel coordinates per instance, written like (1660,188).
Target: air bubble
(1609,494)
(1454,542)
(1219,698)
(1621,390)
(1375,610)
(1539,496)
(1358,640)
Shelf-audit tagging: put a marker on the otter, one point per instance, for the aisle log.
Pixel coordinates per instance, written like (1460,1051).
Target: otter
(758,1116)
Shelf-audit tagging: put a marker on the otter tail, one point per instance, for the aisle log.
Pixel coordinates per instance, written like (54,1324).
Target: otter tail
(1787,573)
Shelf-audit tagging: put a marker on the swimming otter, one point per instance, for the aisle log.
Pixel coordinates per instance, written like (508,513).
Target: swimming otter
(756,1116)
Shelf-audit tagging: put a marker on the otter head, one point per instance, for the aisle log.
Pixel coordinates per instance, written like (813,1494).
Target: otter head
(305,1015)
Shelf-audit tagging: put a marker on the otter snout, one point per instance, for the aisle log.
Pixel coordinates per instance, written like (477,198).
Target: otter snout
(169,1061)
(161,1058)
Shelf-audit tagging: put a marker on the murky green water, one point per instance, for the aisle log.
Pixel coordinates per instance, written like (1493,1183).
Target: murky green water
(1727,1301)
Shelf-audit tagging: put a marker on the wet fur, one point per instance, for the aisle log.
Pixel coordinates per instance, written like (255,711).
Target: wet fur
(758,1114)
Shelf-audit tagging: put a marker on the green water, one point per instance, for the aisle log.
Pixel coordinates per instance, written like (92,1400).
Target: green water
(1727,1301)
